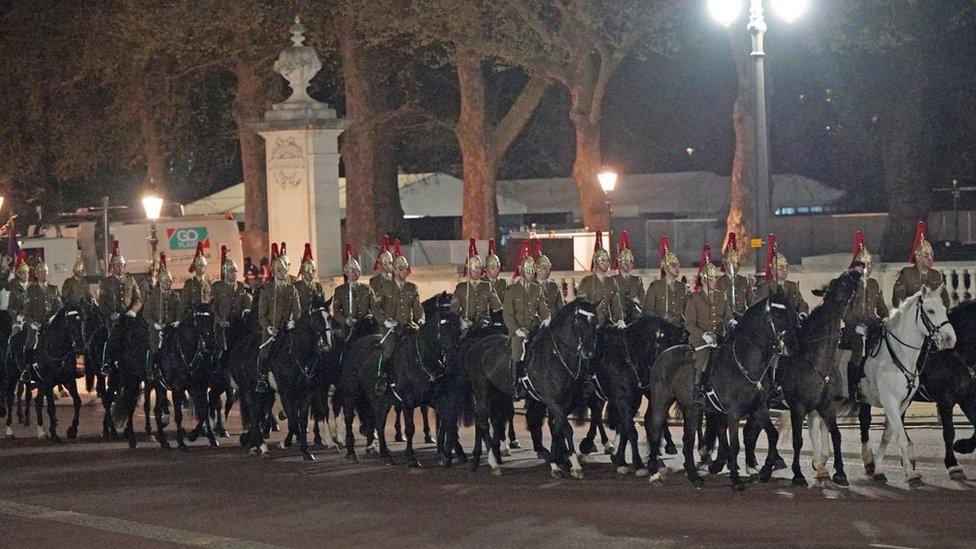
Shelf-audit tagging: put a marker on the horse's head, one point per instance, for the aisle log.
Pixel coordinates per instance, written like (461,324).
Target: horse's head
(579,316)
(931,318)
(651,335)
(839,291)
(75,325)
(198,321)
(782,322)
(320,321)
(443,324)
(963,319)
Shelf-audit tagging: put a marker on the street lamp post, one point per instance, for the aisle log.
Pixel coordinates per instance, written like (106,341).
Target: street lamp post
(726,12)
(153,204)
(608,182)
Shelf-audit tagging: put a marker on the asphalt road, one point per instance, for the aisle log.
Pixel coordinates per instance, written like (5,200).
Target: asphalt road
(90,492)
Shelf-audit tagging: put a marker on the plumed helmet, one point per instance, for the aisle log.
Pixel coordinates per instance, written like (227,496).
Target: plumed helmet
(199,262)
(704,262)
(920,247)
(860,252)
(781,261)
(79,267)
(625,254)
(731,252)
(21,265)
(527,266)
(116,258)
(541,260)
(41,267)
(308,264)
(349,262)
(284,255)
(667,256)
(226,263)
(524,251)
(474,263)
(279,267)
(164,275)
(491,260)
(399,260)
(599,252)
(385,257)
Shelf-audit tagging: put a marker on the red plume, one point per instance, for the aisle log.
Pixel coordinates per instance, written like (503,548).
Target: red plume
(283,249)
(730,245)
(22,257)
(491,246)
(307,255)
(385,247)
(623,243)
(663,251)
(919,237)
(199,252)
(223,259)
(346,253)
(703,261)
(858,245)
(770,256)
(162,260)
(524,252)
(597,245)
(537,253)
(472,251)
(274,252)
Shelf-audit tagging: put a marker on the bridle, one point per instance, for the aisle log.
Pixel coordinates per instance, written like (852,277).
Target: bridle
(577,314)
(441,369)
(777,349)
(201,347)
(933,334)
(309,371)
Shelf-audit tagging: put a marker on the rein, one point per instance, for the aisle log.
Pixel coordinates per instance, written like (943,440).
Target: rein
(777,335)
(912,376)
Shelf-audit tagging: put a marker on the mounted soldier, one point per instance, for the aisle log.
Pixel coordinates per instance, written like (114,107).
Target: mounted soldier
(735,286)
(600,289)
(352,301)
(160,309)
(398,308)
(383,264)
(777,275)
(864,316)
(910,279)
(667,295)
(493,270)
(707,314)
(231,299)
(550,288)
(308,288)
(147,283)
(525,312)
(118,295)
(197,288)
(74,290)
(42,301)
(473,300)
(289,278)
(278,309)
(631,286)
(18,292)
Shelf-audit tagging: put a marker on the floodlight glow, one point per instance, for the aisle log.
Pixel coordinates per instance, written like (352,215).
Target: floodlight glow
(725,11)
(790,10)
(153,205)
(608,181)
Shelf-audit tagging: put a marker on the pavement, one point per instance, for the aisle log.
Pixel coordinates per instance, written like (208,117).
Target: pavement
(90,492)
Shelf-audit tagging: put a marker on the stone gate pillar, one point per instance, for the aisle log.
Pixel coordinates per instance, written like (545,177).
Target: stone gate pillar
(302,154)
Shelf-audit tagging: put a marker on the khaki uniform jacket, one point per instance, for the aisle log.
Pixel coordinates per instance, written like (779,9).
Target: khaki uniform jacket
(195,291)
(376,283)
(230,300)
(356,306)
(793,295)
(474,301)
(277,305)
(553,295)
(867,306)
(910,281)
(525,307)
(74,291)
(42,302)
(161,307)
(707,312)
(666,300)
(307,291)
(739,299)
(400,303)
(18,298)
(118,295)
(499,287)
(604,294)
(631,287)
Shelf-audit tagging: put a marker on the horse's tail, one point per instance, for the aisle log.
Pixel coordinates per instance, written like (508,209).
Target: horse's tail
(847,408)
(337,400)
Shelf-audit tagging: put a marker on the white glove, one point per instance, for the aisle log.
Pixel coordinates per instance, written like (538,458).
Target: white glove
(620,324)
(802,316)
(861,329)
(709,338)
(421,321)
(291,324)
(115,316)
(389,323)
(465,324)
(246,311)
(350,322)
(130,313)
(522,332)
(20,319)
(158,326)
(635,300)
(545,321)
(732,323)
(36,325)
(176,324)
(272,331)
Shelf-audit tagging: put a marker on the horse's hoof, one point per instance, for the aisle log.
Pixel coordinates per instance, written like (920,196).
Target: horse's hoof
(192,435)
(496,471)
(623,470)
(41,433)
(429,440)
(505,451)
(869,469)
(165,445)
(697,482)
(242,440)
(587,446)
(253,451)
(307,456)
(715,467)
(182,446)
(72,432)
(656,479)
(956,473)
(576,473)
(281,415)
(840,479)
(915,482)
(370,450)
(150,437)
(799,481)
(415,464)
(965,446)
(56,440)
(556,472)
(514,444)
(823,475)
(351,458)
(609,449)
(880,478)
(670,449)
(222,433)
(475,463)
(642,472)
(266,455)
(285,443)
(213,443)
(779,464)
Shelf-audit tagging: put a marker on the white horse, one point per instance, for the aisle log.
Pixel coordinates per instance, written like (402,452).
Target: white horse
(891,376)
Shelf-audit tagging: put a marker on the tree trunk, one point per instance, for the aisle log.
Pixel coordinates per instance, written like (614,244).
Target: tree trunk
(742,196)
(152,144)
(249,104)
(586,166)
(372,192)
(480,207)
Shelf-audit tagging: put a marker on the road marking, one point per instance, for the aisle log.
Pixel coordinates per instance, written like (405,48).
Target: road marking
(890,546)
(128,527)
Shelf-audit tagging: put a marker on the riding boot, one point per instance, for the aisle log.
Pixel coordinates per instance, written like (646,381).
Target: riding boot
(382,379)
(518,387)
(855,371)
(263,367)
(698,389)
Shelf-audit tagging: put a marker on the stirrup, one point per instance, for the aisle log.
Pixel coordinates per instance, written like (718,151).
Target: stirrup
(262,386)
(25,375)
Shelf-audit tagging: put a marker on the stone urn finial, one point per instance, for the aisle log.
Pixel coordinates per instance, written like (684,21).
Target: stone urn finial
(298,64)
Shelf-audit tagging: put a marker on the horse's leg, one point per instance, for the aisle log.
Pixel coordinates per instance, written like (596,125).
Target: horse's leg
(76,403)
(425,415)
(829,417)
(129,432)
(410,428)
(397,430)
(576,467)
(9,390)
(534,418)
(302,428)
(498,419)
(750,436)
(201,404)
(654,418)
(587,445)
(381,435)
(596,410)
(39,407)
(864,425)
(894,413)
(772,435)
(692,420)
(178,397)
(669,447)
(717,429)
(513,441)
(160,425)
(52,413)
(348,416)
(733,453)
(147,409)
(879,454)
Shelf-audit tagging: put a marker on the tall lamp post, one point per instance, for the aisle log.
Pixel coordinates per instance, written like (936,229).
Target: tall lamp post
(153,204)
(608,182)
(726,12)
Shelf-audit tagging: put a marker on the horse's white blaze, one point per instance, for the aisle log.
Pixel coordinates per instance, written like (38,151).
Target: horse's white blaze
(574,461)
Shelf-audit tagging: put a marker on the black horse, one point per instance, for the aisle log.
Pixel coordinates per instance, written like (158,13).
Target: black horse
(948,378)
(809,377)
(59,342)
(416,365)
(95,331)
(621,375)
(740,376)
(556,364)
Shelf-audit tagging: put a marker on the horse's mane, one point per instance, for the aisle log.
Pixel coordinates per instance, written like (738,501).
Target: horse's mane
(198,308)
(569,310)
(894,316)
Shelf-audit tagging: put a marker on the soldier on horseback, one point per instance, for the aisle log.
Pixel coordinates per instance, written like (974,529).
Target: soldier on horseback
(118,295)
(18,292)
(306,285)
(631,286)
(42,301)
(231,299)
(493,268)
(398,307)
(601,289)
(147,283)
(864,315)
(196,289)
(278,309)
(777,274)
(667,295)
(383,264)
(550,289)
(160,309)
(910,279)
(525,312)
(352,301)
(473,299)
(732,283)
(75,289)
(707,314)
